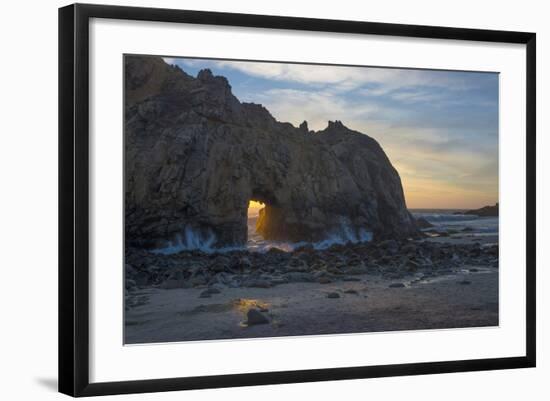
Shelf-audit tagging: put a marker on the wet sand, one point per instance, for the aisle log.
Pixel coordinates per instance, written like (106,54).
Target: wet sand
(450,299)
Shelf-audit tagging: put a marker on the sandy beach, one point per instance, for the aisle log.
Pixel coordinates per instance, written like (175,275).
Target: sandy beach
(453,292)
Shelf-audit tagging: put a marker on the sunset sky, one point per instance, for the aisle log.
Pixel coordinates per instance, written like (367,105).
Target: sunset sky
(439,128)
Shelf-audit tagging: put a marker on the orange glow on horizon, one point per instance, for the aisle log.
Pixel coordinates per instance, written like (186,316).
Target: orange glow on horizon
(427,194)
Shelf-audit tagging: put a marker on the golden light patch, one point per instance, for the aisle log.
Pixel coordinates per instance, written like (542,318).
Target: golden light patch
(244,304)
(254,208)
(255,205)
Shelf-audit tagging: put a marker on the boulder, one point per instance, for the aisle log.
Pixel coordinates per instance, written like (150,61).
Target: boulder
(254,316)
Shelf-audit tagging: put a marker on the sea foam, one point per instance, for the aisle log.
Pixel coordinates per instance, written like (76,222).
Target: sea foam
(205,241)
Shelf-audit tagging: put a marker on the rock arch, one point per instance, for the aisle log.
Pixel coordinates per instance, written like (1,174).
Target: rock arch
(195,156)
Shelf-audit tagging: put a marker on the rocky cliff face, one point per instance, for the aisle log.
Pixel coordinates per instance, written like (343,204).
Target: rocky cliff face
(195,157)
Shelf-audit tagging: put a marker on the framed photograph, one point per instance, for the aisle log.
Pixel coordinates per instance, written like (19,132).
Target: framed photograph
(249,199)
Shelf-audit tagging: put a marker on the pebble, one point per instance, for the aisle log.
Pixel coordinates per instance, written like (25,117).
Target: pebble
(258,283)
(333,295)
(298,277)
(279,280)
(396,285)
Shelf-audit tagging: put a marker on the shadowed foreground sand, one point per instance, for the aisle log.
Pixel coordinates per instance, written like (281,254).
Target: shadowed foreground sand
(459,298)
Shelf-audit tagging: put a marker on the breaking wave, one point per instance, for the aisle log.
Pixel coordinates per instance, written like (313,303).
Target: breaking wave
(343,236)
(445,221)
(192,240)
(445,217)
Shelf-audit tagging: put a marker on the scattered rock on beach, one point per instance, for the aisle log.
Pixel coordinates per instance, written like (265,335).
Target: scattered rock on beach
(219,267)
(324,280)
(254,316)
(464,282)
(357,269)
(340,263)
(129,270)
(409,248)
(130,284)
(212,290)
(278,280)
(393,276)
(258,283)
(299,277)
(411,265)
(171,284)
(197,281)
(390,245)
(142,279)
(396,285)
(333,295)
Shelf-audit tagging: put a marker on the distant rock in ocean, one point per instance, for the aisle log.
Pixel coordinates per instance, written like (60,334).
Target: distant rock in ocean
(195,157)
(486,211)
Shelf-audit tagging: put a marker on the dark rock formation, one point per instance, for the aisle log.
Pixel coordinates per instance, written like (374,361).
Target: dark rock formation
(254,316)
(421,223)
(486,211)
(195,157)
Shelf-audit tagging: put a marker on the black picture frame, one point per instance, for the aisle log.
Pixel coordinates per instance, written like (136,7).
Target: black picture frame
(74,198)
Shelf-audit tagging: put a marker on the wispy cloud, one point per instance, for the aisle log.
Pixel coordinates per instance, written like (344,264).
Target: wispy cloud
(338,77)
(317,107)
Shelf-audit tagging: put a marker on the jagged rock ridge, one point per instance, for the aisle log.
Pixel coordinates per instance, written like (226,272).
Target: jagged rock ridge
(195,156)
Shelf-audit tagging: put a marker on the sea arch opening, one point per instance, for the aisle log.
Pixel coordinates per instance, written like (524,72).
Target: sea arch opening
(254,208)
(262,211)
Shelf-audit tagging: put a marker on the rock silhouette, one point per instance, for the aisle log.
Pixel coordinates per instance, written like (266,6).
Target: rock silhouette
(195,156)
(485,211)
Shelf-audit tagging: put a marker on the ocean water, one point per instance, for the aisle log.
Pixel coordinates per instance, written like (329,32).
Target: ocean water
(455,220)
(451,221)
(256,243)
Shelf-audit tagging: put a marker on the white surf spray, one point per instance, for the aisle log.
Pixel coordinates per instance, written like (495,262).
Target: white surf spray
(445,220)
(339,236)
(192,240)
